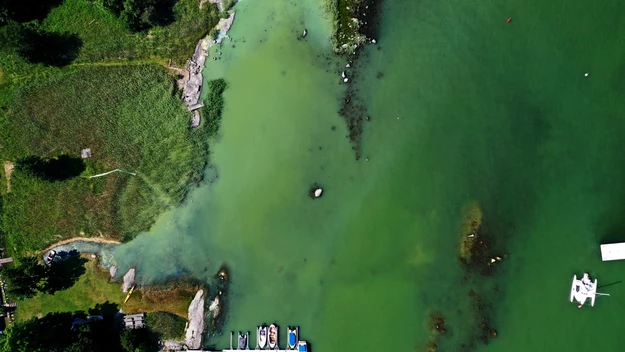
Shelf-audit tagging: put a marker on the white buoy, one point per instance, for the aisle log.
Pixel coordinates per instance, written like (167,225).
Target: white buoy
(373,41)
(345,80)
(343,74)
(586,74)
(305,33)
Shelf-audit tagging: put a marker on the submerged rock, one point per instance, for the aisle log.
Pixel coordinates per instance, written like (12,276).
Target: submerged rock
(215,307)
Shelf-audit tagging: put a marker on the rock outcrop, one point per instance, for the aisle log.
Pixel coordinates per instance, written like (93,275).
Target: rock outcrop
(129,280)
(193,335)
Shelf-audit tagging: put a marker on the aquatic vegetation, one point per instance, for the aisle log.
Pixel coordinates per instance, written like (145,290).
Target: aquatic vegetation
(214,106)
(469,230)
(351,23)
(477,259)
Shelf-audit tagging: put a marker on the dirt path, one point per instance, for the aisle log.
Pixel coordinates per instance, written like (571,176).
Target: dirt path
(86,239)
(8,169)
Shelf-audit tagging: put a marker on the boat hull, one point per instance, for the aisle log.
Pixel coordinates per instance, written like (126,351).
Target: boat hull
(273,336)
(262,336)
(292,338)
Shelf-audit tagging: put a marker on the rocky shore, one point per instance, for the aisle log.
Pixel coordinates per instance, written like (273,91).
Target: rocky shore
(193,335)
(191,81)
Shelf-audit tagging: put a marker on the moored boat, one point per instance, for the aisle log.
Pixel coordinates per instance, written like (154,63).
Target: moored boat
(242,341)
(273,336)
(262,336)
(302,346)
(292,337)
(583,289)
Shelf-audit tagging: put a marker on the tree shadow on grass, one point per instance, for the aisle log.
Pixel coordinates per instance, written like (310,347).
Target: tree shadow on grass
(60,168)
(64,274)
(49,48)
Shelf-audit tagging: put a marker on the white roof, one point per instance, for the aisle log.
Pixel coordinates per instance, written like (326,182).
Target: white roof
(613,251)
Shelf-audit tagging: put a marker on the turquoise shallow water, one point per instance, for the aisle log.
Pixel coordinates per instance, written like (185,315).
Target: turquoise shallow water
(468,108)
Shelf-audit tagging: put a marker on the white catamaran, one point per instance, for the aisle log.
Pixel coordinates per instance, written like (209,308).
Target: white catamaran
(584,289)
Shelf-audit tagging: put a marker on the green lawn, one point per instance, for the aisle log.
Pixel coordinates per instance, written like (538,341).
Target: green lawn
(93,288)
(90,289)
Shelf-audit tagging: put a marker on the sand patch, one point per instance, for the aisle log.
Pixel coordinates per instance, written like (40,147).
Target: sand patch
(8,170)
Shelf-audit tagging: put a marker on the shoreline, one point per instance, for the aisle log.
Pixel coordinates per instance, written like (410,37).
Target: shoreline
(79,239)
(192,81)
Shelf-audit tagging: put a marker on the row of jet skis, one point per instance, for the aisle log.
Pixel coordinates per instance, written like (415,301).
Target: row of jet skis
(267,337)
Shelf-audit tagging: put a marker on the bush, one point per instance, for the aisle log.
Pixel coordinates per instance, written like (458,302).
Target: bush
(169,326)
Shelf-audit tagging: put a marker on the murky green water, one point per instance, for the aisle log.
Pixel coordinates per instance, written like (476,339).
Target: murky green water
(468,107)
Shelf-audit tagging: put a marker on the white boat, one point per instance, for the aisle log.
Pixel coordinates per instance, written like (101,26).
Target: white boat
(243,341)
(262,336)
(292,337)
(302,346)
(273,336)
(583,289)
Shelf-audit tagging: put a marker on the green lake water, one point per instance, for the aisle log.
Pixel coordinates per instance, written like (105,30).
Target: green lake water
(464,107)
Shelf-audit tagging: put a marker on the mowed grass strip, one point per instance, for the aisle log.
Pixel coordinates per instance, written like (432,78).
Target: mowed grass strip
(131,118)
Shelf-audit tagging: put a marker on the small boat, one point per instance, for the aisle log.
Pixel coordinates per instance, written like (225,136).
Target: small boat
(302,346)
(292,337)
(132,289)
(242,341)
(583,289)
(50,258)
(262,336)
(273,336)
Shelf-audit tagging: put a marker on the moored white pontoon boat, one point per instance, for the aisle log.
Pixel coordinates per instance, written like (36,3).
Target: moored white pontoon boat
(583,289)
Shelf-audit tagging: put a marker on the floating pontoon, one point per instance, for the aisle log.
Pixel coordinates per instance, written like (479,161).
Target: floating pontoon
(613,251)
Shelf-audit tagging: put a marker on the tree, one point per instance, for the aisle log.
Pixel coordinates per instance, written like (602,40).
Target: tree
(139,340)
(48,334)
(54,333)
(26,278)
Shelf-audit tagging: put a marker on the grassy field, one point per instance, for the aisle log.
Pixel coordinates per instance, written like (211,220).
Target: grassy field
(132,119)
(94,287)
(115,98)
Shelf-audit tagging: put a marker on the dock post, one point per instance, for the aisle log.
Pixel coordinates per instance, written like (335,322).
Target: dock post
(230,339)
(247,341)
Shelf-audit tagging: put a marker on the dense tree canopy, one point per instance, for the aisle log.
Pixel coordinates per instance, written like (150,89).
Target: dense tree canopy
(54,333)
(26,277)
